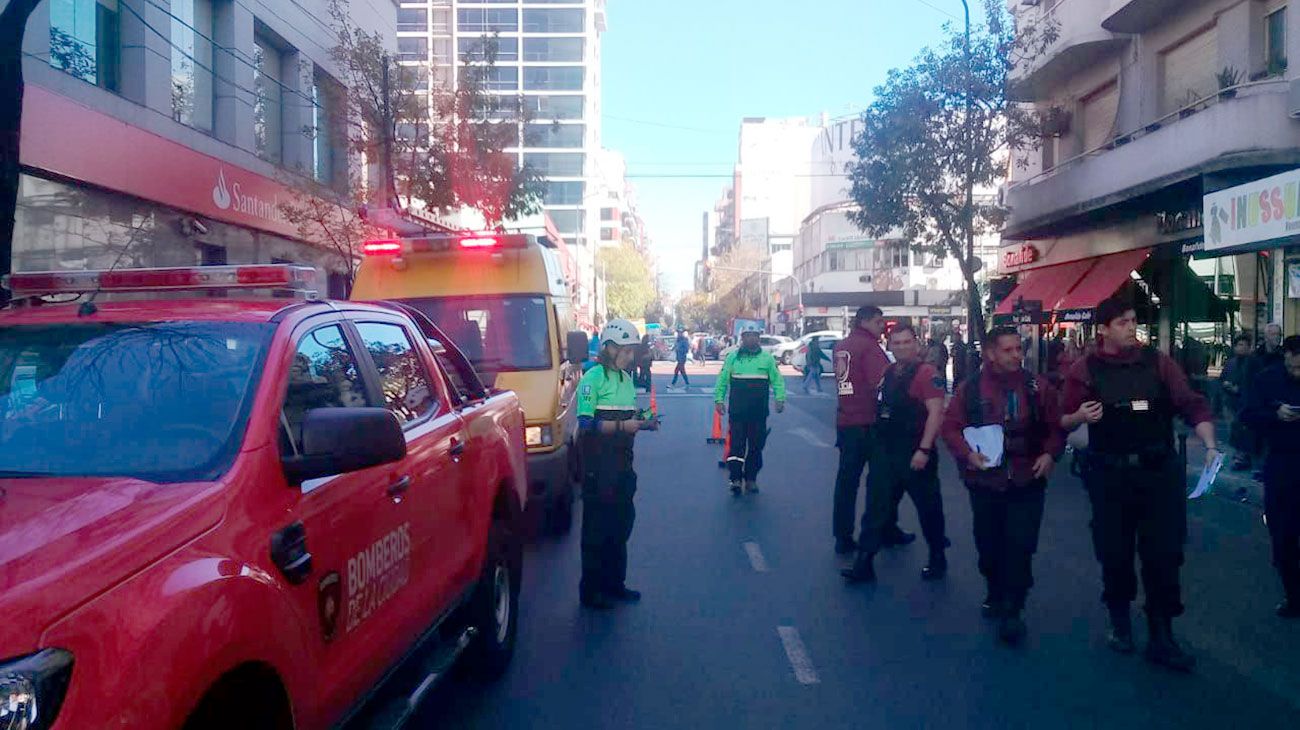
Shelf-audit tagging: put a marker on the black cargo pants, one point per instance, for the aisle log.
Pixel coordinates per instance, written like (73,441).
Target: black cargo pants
(1282,508)
(1006,537)
(1139,510)
(890,477)
(748,437)
(608,486)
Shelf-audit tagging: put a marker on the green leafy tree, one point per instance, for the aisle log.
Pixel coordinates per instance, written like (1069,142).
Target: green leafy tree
(629,287)
(926,142)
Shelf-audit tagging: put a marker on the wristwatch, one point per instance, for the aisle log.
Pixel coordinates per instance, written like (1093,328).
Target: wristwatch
(927,451)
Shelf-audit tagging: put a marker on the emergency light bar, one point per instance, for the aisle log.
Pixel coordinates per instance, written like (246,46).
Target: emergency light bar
(257,276)
(445,242)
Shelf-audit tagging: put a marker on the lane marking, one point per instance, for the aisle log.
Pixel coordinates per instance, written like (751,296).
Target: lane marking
(797,653)
(812,438)
(756,559)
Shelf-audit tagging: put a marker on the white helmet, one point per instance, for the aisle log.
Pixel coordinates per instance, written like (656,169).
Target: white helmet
(751,327)
(619,332)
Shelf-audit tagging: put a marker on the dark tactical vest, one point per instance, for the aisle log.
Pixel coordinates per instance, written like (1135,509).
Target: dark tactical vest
(1020,437)
(1137,411)
(899,416)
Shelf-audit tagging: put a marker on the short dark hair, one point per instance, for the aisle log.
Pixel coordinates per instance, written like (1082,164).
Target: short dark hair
(870,311)
(1243,337)
(1112,309)
(998,332)
(904,327)
(1292,345)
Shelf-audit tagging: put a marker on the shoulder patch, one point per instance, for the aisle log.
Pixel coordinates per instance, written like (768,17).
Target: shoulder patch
(586,389)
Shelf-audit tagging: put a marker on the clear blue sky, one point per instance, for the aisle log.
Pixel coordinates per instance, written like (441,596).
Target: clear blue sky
(687,71)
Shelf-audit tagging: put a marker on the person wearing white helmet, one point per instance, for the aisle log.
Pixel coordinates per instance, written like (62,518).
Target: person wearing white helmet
(750,375)
(608,421)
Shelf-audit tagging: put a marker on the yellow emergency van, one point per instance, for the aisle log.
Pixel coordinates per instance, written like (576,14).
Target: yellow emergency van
(504,301)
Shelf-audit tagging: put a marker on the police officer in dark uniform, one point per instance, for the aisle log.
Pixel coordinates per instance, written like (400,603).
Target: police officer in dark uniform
(1129,394)
(908,415)
(1273,407)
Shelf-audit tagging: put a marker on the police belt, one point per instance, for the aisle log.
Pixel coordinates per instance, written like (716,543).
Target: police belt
(1151,459)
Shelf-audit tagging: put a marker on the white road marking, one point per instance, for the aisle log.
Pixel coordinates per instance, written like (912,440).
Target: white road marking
(797,653)
(756,559)
(810,437)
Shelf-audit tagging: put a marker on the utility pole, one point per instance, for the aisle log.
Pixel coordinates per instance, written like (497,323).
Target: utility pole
(387,192)
(972,294)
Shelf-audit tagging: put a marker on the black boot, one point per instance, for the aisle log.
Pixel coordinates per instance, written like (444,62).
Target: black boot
(1288,609)
(598,601)
(1162,649)
(1012,628)
(845,545)
(863,570)
(1120,637)
(937,568)
(993,605)
(895,537)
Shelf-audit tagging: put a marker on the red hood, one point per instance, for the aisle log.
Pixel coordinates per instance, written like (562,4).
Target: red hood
(64,541)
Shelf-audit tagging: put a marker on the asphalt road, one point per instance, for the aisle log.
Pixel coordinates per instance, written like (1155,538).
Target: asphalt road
(746,622)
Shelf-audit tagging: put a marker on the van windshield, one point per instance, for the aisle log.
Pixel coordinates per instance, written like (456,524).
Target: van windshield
(497,333)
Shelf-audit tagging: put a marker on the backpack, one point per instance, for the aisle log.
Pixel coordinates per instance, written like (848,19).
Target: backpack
(974,402)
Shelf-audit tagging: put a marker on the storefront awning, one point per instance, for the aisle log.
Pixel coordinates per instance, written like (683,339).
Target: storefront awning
(1046,285)
(1102,281)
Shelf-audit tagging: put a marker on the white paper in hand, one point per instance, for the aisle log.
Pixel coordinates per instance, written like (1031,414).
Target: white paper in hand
(987,440)
(1208,476)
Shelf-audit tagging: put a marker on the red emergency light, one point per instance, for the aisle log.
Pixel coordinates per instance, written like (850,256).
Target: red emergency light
(257,276)
(381,248)
(444,242)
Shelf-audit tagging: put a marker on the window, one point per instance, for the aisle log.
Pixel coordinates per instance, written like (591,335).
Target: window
(1187,71)
(402,376)
(412,20)
(608,234)
(554,78)
(327,123)
(554,49)
(567,221)
(556,164)
(496,333)
(1098,111)
(487,20)
(564,193)
(502,78)
(413,49)
(898,256)
(555,21)
(324,374)
(191,39)
(268,103)
(555,107)
(160,401)
(476,49)
(554,135)
(608,214)
(1275,41)
(85,40)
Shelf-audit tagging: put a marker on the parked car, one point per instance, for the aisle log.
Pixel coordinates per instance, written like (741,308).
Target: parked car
(828,341)
(767,343)
(241,512)
(785,352)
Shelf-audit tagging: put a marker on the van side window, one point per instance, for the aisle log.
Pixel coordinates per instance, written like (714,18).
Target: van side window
(405,383)
(323,374)
(458,384)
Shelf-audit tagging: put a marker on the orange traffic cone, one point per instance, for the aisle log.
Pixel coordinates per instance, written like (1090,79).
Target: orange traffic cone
(716,438)
(726,451)
(654,403)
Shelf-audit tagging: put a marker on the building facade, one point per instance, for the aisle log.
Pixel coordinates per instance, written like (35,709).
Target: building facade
(169,132)
(1150,108)
(548,54)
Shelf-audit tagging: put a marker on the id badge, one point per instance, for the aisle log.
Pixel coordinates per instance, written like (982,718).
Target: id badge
(1141,406)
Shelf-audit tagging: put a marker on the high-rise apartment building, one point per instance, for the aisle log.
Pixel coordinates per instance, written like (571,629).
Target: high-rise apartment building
(548,54)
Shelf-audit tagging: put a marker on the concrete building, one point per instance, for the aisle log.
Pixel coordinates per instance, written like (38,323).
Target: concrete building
(165,132)
(1151,108)
(548,53)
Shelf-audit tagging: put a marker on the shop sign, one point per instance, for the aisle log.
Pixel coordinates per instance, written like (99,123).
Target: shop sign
(1025,317)
(1075,316)
(1263,210)
(849,245)
(1170,222)
(939,311)
(1018,256)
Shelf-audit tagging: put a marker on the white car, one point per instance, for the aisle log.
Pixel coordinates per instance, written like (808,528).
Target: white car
(766,343)
(785,352)
(827,342)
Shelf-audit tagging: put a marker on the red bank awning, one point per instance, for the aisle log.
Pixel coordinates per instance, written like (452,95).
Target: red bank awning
(1107,275)
(1048,285)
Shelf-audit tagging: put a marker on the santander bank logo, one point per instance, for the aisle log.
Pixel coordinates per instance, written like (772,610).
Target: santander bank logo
(220,195)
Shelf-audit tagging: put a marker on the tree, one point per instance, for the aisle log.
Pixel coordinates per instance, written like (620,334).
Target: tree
(13,26)
(339,229)
(918,151)
(697,313)
(629,290)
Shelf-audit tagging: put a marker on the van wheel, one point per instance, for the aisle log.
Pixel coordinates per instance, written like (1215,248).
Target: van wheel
(494,607)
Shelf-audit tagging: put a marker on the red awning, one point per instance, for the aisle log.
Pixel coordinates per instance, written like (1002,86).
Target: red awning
(1048,285)
(1104,279)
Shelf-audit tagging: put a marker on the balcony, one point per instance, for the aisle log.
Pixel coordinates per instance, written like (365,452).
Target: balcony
(1254,128)
(1136,16)
(1081,43)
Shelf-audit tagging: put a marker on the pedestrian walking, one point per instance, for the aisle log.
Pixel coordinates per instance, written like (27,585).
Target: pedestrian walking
(749,375)
(814,366)
(936,354)
(645,358)
(860,364)
(682,350)
(1233,382)
(1273,407)
(1129,394)
(608,423)
(960,359)
(1269,351)
(1007,498)
(909,413)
